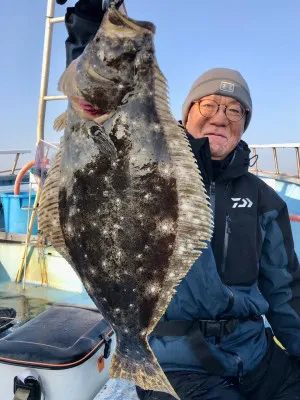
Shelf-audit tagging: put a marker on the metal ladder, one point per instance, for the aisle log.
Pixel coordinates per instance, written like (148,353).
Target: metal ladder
(44,97)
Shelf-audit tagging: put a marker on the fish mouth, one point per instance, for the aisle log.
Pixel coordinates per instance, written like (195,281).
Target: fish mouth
(89,108)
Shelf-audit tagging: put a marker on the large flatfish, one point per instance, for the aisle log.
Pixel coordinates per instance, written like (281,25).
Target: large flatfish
(124,201)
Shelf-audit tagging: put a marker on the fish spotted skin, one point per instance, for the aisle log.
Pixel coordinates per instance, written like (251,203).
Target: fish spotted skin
(132,208)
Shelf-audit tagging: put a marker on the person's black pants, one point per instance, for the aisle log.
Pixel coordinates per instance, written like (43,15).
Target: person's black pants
(82,23)
(277,377)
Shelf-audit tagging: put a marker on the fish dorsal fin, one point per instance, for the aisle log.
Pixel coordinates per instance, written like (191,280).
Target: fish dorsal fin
(195,221)
(49,224)
(60,122)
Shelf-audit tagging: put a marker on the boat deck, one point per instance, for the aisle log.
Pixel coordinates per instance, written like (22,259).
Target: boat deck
(34,299)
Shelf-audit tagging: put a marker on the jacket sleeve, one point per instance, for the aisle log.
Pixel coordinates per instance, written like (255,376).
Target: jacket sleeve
(279,278)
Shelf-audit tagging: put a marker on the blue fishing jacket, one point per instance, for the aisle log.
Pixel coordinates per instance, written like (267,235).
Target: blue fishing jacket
(249,269)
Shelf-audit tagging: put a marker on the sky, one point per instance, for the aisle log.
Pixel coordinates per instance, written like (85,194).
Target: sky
(258,38)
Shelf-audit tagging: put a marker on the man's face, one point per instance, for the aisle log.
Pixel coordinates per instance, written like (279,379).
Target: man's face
(223,134)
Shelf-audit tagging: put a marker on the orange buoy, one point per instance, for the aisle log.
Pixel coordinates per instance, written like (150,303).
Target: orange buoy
(20,176)
(295,218)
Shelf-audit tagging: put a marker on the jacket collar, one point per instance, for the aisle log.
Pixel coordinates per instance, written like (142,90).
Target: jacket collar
(235,165)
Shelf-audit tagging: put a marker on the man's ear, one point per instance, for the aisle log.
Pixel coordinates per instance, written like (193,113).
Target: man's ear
(188,116)
(244,118)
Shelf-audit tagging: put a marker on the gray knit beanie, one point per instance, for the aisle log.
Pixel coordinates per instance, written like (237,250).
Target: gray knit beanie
(222,81)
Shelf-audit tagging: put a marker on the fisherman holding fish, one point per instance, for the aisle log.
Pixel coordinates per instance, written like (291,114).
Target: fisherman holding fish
(213,342)
(251,269)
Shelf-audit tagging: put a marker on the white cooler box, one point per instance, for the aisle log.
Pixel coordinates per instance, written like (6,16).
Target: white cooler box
(62,354)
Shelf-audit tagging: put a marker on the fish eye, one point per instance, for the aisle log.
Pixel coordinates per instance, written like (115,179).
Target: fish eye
(147,57)
(144,58)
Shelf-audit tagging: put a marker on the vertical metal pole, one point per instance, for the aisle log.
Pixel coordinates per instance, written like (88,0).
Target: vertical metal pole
(15,163)
(45,69)
(20,273)
(298,160)
(275,160)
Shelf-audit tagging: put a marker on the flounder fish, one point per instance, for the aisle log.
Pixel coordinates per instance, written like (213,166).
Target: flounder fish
(124,201)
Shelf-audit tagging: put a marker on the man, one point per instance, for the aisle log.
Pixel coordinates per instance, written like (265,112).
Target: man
(212,342)
(250,270)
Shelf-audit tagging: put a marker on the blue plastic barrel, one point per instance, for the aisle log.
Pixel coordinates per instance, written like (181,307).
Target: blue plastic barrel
(15,209)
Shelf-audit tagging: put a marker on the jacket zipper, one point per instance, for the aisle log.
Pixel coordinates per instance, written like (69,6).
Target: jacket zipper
(240,370)
(212,194)
(226,242)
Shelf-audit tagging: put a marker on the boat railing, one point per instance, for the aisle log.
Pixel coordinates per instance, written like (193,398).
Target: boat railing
(276,161)
(277,172)
(17,154)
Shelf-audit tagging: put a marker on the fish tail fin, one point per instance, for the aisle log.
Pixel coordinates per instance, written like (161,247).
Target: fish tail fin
(145,372)
(60,122)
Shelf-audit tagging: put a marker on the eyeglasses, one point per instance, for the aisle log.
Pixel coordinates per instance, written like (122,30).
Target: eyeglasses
(208,108)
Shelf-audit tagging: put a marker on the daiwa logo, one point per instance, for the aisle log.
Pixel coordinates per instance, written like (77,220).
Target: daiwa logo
(241,203)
